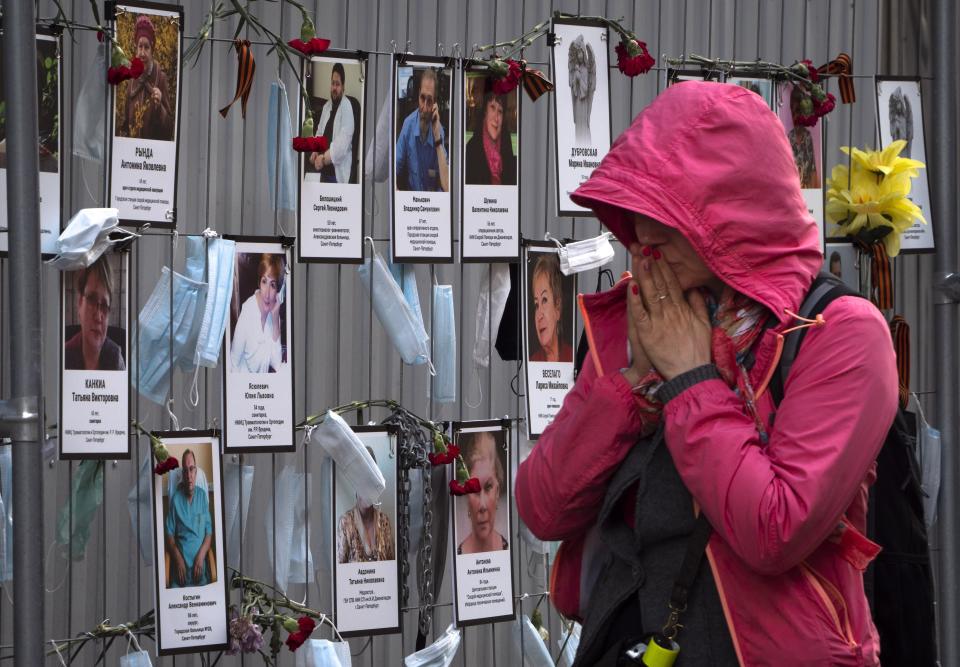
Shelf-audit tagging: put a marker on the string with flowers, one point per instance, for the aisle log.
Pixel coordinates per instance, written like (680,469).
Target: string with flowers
(633,57)
(814,101)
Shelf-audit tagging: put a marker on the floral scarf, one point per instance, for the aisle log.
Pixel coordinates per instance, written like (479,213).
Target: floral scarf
(737,321)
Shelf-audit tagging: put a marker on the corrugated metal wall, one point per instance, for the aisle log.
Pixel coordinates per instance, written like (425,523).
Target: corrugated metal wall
(342,353)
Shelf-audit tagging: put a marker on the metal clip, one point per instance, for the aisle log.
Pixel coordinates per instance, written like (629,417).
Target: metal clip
(20,419)
(170,215)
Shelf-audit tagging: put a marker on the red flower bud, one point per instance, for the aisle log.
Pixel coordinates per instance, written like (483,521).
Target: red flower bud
(310,48)
(509,80)
(306,625)
(295,640)
(472,485)
(633,58)
(166,466)
(310,144)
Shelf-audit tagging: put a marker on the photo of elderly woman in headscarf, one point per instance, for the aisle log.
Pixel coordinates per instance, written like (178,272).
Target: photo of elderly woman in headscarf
(550,320)
(257,342)
(485,457)
(148,108)
(492,125)
(91,342)
(364,532)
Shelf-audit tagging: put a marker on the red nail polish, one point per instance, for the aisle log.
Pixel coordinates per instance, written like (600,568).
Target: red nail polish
(636,290)
(646,251)
(656,254)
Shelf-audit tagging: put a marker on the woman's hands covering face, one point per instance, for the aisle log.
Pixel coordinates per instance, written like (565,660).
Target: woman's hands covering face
(672,329)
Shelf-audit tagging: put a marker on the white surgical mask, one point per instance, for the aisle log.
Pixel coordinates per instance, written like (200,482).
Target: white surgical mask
(323,653)
(439,654)
(89,112)
(351,457)
(86,237)
(494,290)
(528,647)
(294,559)
(585,255)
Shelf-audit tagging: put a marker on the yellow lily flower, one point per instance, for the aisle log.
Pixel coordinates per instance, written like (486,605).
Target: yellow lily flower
(887,162)
(864,199)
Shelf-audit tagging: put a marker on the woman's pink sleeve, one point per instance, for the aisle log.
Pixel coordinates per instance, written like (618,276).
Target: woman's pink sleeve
(775,504)
(561,485)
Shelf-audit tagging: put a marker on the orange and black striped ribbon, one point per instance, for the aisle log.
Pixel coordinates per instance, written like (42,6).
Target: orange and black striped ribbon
(245,69)
(900,331)
(882,292)
(536,83)
(842,68)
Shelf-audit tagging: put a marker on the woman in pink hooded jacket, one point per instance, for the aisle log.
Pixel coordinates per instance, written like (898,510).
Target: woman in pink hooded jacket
(671,413)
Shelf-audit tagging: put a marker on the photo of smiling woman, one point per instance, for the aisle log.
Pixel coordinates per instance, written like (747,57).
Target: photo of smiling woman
(258,342)
(482,518)
(551,310)
(491,130)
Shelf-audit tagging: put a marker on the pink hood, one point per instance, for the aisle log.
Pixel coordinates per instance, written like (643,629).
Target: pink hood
(758,237)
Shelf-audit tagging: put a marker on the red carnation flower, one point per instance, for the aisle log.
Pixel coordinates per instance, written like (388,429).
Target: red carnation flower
(310,144)
(295,640)
(508,80)
(633,58)
(306,625)
(120,73)
(811,71)
(472,485)
(166,466)
(443,458)
(310,48)
(825,106)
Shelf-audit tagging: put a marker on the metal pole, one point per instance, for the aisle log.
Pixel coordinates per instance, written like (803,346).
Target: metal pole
(23,215)
(943,181)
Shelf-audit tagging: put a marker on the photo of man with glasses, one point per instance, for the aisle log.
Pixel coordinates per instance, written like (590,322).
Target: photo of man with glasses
(90,341)
(422,158)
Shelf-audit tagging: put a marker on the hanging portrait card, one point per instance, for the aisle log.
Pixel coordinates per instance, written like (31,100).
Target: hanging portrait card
(258,349)
(678,75)
(366,580)
(191,579)
(94,369)
(331,182)
(483,571)
(900,116)
(806,143)
(146,115)
(762,86)
(581,106)
(420,153)
(842,260)
(49,88)
(548,325)
(490,205)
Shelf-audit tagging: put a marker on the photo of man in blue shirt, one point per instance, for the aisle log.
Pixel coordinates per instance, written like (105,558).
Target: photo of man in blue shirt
(188,532)
(422,162)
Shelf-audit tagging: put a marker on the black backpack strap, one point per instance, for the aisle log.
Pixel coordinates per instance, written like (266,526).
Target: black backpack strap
(825,288)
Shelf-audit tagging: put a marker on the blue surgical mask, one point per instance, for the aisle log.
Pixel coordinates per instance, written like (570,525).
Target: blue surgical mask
(210,259)
(76,515)
(406,278)
(151,360)
(144,528)
(398,319)
(444,345)
(294,561)
(283,189)
(6,513)
(136,659)
(89,111)
(323,653)
(237,483)
(86,237)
